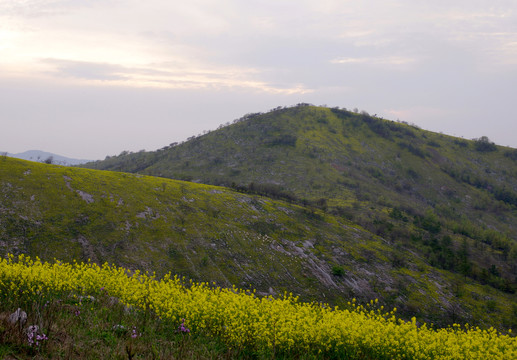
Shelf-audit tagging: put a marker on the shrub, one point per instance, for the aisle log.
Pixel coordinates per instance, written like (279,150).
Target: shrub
(338,270)
(512,154)
(483,144)
(283,140)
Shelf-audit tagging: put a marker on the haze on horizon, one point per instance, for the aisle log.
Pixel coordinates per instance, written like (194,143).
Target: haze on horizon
(90,78)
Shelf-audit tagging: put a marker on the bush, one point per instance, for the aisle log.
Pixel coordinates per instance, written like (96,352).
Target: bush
(338,270)
(483,144)
(283,140)
(512,154)
(461,143)
(412,149)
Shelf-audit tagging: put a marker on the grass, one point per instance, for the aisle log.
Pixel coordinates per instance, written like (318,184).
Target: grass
(103,328)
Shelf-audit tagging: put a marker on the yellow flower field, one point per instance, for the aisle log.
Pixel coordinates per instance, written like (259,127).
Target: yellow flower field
(245,320)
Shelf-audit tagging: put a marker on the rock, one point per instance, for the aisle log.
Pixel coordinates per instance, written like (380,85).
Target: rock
(19,316)
(85,196)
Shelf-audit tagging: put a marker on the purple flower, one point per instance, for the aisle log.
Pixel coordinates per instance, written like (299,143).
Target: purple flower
(33,337)
(182,327)
(134,334)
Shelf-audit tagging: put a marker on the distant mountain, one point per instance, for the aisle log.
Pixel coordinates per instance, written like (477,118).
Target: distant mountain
(43,156)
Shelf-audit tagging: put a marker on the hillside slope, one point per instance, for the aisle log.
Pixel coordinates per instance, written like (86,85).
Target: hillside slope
(450,200)
(209,233)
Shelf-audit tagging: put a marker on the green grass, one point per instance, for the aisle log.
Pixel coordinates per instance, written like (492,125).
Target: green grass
(102,328)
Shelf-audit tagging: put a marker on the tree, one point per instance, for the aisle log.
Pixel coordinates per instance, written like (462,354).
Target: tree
(430,222)
(49,160)
(483,144)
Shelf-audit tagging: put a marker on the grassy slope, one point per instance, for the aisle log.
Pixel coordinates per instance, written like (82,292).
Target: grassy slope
(211,233)
(202,232)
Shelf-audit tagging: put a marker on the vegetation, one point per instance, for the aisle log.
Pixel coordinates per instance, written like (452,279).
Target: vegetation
(213,234)
(364,168)
(158,318)
(324,203)
(483,144)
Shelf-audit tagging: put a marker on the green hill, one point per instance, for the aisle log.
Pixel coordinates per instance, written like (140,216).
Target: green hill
(447,200)
(325,203)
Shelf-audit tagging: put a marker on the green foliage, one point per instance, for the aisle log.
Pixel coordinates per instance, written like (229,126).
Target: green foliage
(511,154)
(483,144)
(338,270)
(412,149)
(461,143)
(431,223)
(283,140)
(397,214)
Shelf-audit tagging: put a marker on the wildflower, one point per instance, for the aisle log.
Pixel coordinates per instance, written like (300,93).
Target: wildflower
(33,336)
(134,333)
(41,337)
(182,327)
(31,332)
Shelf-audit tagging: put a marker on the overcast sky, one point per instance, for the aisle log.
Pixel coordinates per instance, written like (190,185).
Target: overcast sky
(90,78)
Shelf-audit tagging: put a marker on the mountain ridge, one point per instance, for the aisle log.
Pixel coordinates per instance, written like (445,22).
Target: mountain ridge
(45,156)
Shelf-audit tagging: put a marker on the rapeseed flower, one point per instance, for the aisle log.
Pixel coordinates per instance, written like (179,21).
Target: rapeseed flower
(242,319)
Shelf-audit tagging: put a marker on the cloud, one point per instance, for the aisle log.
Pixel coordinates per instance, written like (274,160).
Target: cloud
(388,60)
(167,75)
(34,8)
(87,70)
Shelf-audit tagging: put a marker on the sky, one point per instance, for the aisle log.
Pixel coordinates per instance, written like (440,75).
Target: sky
(91,78)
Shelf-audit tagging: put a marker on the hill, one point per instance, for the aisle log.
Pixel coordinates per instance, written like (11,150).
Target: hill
(215,234)
(450,201)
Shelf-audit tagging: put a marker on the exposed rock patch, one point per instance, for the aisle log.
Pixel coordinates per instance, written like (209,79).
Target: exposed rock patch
(85,196)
